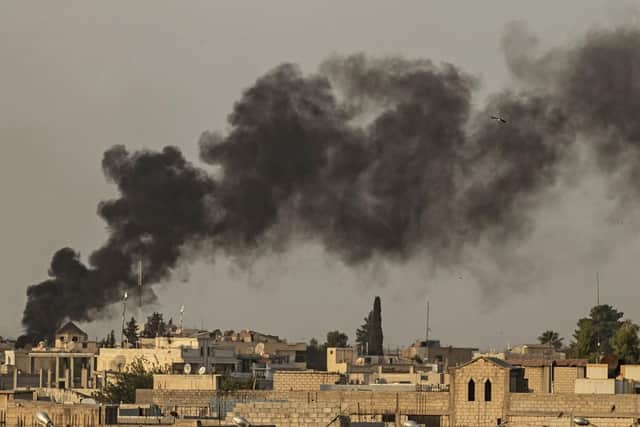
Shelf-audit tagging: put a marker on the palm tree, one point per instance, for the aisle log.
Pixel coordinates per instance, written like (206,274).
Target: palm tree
(552,338)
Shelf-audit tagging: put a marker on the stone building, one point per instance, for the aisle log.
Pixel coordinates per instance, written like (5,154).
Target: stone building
(433,352)
(71,363)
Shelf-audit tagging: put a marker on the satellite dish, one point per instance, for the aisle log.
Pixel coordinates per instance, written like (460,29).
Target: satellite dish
(410,423)
(202,370)
(581,421)
(259,349)
(240,421)
(187,368)
(43,419)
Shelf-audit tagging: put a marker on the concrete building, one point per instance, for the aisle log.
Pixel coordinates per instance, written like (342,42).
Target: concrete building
(551,376)
(339,359)
(433,352)
(524,351)
(71,363)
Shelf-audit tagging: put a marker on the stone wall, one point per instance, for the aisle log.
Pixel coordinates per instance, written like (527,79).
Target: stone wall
(185,382)
(287,414)
(535,379)
(564,379)
(480,411)
(24,412)
(557,410)
(302,380)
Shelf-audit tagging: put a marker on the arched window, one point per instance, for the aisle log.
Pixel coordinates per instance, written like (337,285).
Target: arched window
(471,391)
(487,391)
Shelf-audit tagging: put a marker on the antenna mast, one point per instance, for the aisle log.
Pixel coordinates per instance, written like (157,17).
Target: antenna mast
(124,313)
(140,283)
(428,329)
(597,288)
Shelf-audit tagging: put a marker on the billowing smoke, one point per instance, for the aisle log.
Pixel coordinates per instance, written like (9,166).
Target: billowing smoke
(375,158)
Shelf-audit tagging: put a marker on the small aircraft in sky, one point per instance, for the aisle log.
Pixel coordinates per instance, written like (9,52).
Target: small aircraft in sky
(498,119)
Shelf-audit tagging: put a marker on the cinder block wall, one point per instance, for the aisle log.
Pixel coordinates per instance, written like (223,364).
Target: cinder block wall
(302,381)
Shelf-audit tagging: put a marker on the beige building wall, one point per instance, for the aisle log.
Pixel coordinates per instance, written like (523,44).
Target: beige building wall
(338,359)
(537,378)
(302,381)
(630,372)
(480,412)
(17,358)
(598,371)
(185,382)
(564,378)
(117,359)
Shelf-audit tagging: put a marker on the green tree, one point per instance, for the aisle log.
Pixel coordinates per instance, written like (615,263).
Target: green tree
(228,383)
(316,356)
(124,385)
(131,332)
(362,334)
(375,330)
(592,338)
(155,326)
(552,338)
(625,342)
(337,339)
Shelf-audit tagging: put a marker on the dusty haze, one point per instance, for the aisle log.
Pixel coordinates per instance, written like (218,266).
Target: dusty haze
(151,77)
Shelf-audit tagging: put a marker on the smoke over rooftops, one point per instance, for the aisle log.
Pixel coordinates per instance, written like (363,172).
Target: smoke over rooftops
(375,158)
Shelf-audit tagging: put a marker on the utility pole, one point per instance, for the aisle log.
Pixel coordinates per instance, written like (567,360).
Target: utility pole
(597,288)
(124,313)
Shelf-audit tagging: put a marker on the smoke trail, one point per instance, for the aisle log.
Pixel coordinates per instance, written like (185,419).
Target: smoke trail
(376,158)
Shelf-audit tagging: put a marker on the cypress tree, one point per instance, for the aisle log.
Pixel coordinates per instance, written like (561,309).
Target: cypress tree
(375,333)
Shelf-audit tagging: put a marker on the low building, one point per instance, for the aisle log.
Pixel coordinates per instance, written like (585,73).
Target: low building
(186,382)
(340,358)
(433,352)
(71,363)
(551,376)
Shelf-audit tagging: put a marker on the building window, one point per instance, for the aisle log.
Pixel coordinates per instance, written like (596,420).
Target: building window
(84,345)
(487,391)
(471,391)
(74,339)
(62,338)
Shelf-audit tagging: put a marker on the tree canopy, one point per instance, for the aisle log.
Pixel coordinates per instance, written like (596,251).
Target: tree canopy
(552,338)
(594,336)
(337,339)
(155,326)
(131,332)
(124,385)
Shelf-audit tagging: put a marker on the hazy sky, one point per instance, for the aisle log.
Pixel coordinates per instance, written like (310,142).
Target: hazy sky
(78,77)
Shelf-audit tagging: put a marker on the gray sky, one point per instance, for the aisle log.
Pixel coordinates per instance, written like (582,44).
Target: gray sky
(78,77)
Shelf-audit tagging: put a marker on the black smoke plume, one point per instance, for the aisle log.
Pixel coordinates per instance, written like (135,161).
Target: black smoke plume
(376,158)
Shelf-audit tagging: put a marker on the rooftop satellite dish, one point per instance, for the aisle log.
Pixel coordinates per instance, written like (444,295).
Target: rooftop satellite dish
(581,421)
(240,421)
(259,349)
(187,368)
(202,370)
(410,423)
(43,419)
